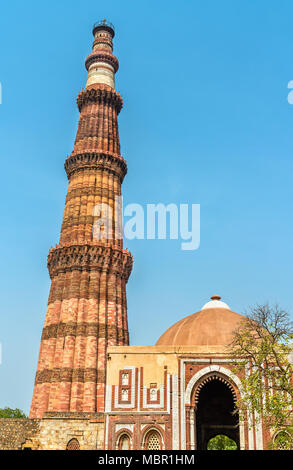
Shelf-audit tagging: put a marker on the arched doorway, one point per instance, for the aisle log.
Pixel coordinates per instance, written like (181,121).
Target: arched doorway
(215,411)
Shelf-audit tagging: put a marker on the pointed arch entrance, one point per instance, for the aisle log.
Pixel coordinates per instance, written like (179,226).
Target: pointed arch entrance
(199,396)
(215,411)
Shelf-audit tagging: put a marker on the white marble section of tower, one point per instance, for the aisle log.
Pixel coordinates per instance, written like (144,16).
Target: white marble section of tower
(101,63)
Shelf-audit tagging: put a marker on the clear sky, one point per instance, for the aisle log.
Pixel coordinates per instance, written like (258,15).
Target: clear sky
(206,120)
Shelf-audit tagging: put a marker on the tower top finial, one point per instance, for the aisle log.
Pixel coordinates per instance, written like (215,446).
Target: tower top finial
(104,24)
(101,64)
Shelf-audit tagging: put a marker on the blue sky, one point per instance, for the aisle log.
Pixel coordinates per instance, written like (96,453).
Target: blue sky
(205,120)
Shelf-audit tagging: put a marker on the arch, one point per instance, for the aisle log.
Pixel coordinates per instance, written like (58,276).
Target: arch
(221,442)
(73,444)
(216,412)
(226,373)
(194,385)
(208,378)
(123,441)
(153,439)
(282,440)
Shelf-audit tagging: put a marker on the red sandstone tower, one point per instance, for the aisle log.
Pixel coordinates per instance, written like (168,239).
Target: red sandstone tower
(87,302)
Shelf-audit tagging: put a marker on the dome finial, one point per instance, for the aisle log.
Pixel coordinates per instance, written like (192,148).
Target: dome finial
(215,297)
(215,302)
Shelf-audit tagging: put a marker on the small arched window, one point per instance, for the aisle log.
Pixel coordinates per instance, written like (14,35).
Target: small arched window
(153,441)
(282,441)
(124,442)
(73,444)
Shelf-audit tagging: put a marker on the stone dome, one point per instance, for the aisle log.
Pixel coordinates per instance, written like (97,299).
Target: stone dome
(213,325)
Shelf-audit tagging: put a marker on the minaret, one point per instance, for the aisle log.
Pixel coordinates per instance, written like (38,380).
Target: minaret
(87,302)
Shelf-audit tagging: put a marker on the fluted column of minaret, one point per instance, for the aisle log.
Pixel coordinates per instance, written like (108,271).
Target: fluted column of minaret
(95,167)
(87,302)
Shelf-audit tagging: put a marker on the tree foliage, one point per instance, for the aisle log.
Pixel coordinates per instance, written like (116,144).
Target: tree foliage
(262,351)
(11,413)
(221,442)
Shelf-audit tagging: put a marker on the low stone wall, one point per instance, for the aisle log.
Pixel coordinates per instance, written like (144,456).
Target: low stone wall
(53,432)
(14,432)
(56,432)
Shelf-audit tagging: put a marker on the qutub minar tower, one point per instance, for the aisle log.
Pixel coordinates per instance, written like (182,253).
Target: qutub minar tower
(87,309)
(92,390)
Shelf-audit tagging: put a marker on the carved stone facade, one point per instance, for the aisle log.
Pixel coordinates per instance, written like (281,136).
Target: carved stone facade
(179,374)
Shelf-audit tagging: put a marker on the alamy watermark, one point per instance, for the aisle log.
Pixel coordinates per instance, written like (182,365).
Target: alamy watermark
(290,94)
(154,221)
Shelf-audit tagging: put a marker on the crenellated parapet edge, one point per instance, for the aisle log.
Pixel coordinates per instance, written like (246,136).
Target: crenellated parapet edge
(99,94)
(107,161)
(88,257)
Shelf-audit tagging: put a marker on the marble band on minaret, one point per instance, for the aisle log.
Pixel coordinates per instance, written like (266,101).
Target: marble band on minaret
(101,63)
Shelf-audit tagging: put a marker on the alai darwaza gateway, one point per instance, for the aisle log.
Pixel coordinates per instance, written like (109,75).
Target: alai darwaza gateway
(181,392)
(92,389)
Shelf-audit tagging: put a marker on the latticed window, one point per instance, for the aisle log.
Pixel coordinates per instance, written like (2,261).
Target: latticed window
(73,444)
(153,441)
(283,441)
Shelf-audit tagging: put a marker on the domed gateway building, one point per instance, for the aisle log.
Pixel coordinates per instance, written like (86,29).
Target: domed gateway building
(181,392)
(92,389)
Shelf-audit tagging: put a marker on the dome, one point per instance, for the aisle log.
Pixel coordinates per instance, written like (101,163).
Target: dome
(213,325)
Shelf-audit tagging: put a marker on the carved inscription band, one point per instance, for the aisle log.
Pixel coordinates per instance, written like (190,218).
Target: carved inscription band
(99,330)
(70,375)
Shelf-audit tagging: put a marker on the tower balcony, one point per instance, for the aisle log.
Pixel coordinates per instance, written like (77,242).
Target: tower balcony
(104,24)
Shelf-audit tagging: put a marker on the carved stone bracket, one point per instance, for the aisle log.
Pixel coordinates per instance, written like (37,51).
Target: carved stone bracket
(90,257)
(100,95)
(105,160)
